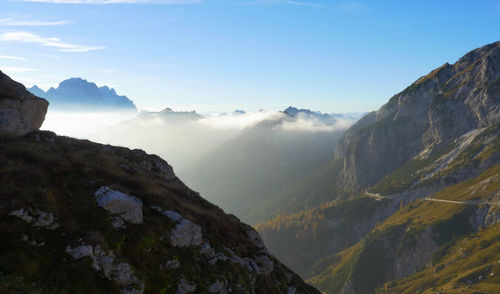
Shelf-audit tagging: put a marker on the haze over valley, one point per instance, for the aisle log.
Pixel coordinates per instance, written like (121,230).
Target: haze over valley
(249,147)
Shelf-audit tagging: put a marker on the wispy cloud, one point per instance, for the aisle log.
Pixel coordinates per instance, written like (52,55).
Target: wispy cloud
(10,69)
(14,22)
(12,57)
(351,6)
(117,1)
(284,2)
(26,37)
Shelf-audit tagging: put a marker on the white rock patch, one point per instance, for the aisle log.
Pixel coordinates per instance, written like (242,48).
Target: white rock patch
(172,264)
(186,234)
(122,274)
(185,287)
(80,251)
(41,219)
(127,208)
(174,216)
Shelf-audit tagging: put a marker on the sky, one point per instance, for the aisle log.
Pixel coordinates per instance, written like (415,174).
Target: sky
(222,55)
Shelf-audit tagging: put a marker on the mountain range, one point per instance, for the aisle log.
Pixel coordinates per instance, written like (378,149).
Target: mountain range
(77,94)
(409,202)
(403,200)
(244,174)
(82,217)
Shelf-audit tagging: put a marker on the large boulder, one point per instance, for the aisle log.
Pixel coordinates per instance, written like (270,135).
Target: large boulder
(186,234)
(20,111)
(126,208)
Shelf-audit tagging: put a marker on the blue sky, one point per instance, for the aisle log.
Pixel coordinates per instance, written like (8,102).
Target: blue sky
(221,55)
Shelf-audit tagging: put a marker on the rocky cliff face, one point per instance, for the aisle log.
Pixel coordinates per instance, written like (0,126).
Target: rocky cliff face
(20,111)
(438,108)
(439,138)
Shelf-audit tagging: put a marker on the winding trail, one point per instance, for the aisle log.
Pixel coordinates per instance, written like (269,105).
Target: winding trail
(469,202)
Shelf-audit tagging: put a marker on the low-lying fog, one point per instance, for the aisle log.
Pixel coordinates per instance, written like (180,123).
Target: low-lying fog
(239,152)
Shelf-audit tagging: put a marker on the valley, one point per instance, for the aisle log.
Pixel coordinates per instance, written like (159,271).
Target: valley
(249,147)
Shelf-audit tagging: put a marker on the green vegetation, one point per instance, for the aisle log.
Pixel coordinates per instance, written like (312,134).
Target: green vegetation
(367,264)
(60,175)
(314,190)
(317,232)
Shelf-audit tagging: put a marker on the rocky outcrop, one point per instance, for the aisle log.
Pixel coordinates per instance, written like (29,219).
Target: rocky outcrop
(124,207)
(428,115)
(37,218)
(120,273)
(20,111)
(186,234)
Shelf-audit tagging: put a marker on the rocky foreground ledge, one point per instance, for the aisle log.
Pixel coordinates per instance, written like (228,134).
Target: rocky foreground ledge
(20,111)
(81,217)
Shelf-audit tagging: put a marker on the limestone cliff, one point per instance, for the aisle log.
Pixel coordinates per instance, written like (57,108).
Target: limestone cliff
(20,111)
(426,117)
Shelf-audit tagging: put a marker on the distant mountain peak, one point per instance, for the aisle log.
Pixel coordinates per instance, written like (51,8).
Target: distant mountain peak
(167,110)
(78,94)
(35,90)
(294,112)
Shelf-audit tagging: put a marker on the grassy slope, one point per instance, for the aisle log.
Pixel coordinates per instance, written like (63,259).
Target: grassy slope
(60,175)
(299,239)
(469,265)
(449,222)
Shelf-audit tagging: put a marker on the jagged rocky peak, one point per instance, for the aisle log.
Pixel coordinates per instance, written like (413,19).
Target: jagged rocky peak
(239,112)
(20,111)
(293,111)
(77,94)
(435,110)
(296,112)
(168,115)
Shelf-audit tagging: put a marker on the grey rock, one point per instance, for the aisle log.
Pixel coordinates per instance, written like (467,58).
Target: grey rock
(255,238)
(172,264)
(22,214)
(128,208)
(185,287)
(174,216)
(80,251)
(217,287)
(41,219)
(154,163)
(265,264)
(291,290)
(20,111)
(207,251)
(186,234)
(46,220)
(121,273)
